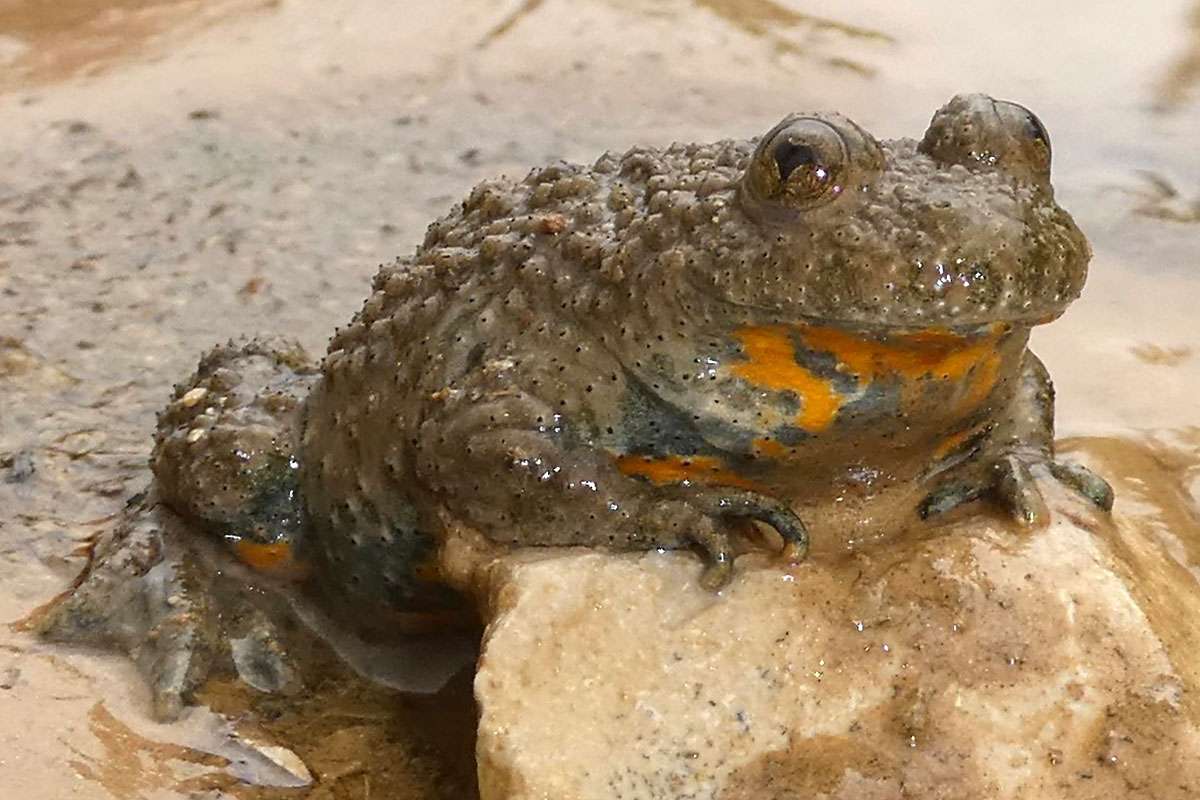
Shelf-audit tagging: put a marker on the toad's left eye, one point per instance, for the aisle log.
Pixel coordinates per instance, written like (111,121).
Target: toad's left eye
(980,132)
(1024,124)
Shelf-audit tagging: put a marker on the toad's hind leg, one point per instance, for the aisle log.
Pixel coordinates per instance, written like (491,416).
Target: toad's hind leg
(178,615)
(512,467)
(1020,450)
(224,468)
(225,453)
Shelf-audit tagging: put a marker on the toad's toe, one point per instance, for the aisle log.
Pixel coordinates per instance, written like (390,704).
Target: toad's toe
(1085,482)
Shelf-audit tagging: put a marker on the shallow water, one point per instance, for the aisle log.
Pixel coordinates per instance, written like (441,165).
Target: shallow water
(176,173)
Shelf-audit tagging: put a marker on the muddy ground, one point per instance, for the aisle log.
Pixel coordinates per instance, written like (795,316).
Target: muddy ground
(174,173)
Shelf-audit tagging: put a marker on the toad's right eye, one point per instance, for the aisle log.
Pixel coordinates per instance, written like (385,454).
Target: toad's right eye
(799,164)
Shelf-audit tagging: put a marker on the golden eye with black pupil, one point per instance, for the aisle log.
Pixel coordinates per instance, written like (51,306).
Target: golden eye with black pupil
(813,175)
(789,155)
(799,164)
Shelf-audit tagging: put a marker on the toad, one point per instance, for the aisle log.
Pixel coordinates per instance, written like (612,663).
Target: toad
(813,330)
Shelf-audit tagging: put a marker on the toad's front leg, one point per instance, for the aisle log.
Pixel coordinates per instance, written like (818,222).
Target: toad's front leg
(1020,449)
(510,466)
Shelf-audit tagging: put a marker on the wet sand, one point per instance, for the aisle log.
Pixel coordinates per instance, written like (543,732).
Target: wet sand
(175,174)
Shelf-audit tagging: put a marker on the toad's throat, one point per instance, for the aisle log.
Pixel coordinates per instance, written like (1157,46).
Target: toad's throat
(775,359)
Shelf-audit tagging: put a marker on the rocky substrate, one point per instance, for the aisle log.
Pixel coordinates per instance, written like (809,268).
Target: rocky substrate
(963,661)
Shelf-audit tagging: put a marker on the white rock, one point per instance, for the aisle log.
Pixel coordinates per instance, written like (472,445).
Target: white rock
(967,661)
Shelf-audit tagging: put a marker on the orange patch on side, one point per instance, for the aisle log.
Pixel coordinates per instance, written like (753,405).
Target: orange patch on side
(270,559)
(937,354)
(676,469)
(953,442)
(771,448)
(771,363)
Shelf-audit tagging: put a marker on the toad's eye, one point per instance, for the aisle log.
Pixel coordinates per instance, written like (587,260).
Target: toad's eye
(1024,125)
(981,133)
(799,164)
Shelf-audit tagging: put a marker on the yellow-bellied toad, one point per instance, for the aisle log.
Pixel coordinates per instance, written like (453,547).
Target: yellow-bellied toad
(814,330)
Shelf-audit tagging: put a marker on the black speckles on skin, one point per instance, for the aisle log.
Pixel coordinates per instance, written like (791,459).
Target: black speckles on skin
(379,566)
(651,426)
(790,435)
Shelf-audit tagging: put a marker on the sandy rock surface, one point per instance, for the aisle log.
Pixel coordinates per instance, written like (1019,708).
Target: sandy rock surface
(966,661)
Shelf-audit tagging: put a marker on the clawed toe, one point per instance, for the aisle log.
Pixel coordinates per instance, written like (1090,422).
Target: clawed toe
(947,498)
(260,660)
(714,539)
(1017,491)
(754,506)
(1084,481)
(717,573)
(718,570)
(1013,483)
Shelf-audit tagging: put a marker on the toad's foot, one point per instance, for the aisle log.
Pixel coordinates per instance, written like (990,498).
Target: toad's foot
(704,520)
(147,592)
(1016,452)
(1012,478)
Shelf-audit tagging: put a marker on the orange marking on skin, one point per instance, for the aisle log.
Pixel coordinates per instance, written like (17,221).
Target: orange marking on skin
(270,559)
(931,353)
(676,469)
(953,442)
(771,363)
(935,353)
(770,448)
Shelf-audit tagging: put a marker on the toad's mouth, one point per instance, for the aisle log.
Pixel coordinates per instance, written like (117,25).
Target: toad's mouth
(927,327)
(894,297)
